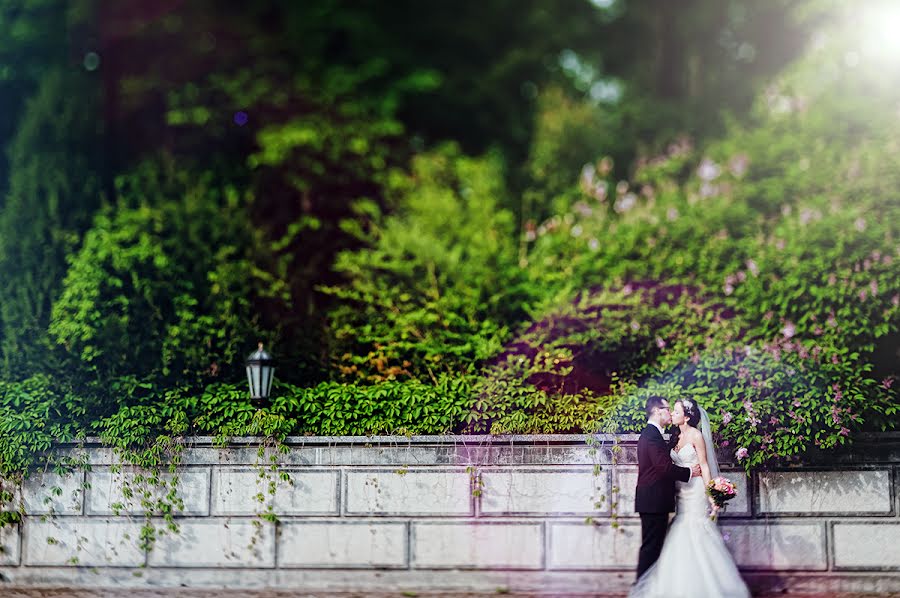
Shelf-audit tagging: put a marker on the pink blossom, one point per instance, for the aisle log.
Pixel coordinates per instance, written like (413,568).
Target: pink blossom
(742,453)
(738,165)
(863,295)
(835,359)
(789,330)
(802,352)
(832,280)
(724,443)
(660,343)
(773,420)
(844,432)
(726,418)
(831,321)
(752,267)
(887,382)
(768,315)
(728,289)
(796,402)
(818,331)
(708,170)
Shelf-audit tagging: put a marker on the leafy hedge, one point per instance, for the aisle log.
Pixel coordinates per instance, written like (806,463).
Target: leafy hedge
(757,274)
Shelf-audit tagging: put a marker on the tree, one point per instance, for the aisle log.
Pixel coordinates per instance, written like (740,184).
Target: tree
(54,190)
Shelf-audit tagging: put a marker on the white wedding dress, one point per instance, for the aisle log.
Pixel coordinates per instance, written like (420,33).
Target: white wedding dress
(694,562)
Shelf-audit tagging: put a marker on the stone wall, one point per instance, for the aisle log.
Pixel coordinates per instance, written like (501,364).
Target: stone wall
(520,513)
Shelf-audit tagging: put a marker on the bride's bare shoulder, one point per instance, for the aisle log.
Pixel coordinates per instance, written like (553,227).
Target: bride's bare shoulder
(695,436)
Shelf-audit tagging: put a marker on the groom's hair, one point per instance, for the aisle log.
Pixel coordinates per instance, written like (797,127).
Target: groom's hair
(653,402)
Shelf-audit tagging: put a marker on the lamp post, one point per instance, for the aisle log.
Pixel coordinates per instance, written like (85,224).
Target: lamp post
(260,372)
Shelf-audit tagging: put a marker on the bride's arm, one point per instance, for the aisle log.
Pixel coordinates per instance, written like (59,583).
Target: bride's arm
(700,447)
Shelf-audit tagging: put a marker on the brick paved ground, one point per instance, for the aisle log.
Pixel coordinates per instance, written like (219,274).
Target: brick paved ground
(185,593)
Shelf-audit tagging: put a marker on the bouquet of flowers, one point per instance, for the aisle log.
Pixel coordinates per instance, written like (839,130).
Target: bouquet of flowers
(720,490)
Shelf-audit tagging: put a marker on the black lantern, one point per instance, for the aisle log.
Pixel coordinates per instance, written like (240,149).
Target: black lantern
(260,371)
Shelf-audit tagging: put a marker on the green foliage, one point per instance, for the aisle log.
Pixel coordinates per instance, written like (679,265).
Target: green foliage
(439,282)
(35,414)
(788,228)
(54,189)
(166,282)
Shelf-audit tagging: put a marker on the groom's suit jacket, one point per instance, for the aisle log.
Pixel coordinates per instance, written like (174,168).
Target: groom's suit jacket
(655,492)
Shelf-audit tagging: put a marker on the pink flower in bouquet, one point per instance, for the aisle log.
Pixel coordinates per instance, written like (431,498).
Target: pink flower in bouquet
(742,453)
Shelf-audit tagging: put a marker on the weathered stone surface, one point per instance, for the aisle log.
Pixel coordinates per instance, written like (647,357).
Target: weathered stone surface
(624,484)
(533,492)
(384,455)
(589,455)
(81,541)
(872,545)
(408,492)
(217,542)
(777,545)
(580,545)
(478,545)
(49,492)
(9,545)
(845,492)
(106,495)
(207,455)
(740,504)
(236,492)
(342,544)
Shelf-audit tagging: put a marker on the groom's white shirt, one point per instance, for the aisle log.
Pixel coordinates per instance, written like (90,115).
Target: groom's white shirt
(657,426)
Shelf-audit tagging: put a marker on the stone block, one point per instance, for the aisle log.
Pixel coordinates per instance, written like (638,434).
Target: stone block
(838,492)
(209,455)
(383,455)
(777,546)
(236,492)
(83,542)
(48,492)
(342,544)
(872,545)
(740,505)
(578,455)
(9,546)
(107,493)
(574,491)
(623,491)
(217,542)
(480,545)
(408,492)
(580,545)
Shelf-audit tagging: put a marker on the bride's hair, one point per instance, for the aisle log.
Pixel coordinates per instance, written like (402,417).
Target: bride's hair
(691,415)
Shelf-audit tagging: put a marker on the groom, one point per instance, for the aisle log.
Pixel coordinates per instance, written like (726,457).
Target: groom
(654,497)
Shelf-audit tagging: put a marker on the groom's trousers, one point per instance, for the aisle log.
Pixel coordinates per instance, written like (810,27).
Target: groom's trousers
(653,532)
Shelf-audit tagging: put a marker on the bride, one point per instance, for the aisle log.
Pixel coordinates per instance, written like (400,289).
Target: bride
(694,560)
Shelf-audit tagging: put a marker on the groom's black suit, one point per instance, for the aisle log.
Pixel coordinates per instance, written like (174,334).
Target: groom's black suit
(654,497)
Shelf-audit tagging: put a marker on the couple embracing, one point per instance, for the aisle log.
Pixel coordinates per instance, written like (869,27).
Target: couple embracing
(688,558)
